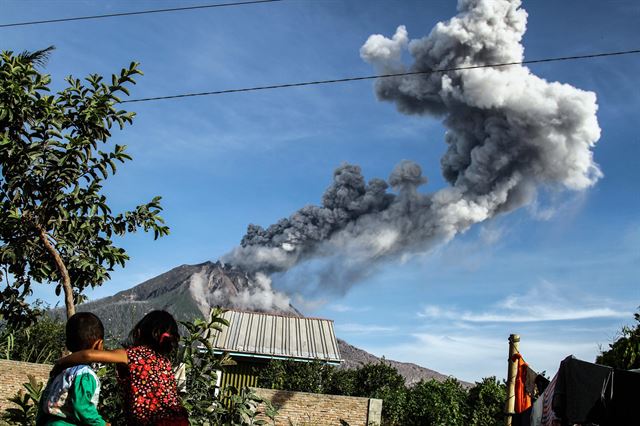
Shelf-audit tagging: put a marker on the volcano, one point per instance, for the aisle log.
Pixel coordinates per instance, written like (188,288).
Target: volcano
(190,291)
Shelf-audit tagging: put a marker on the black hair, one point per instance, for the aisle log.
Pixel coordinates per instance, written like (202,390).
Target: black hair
(158,330)
(82,331)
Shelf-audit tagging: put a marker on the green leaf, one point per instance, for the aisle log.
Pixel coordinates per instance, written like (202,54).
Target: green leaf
(53,168)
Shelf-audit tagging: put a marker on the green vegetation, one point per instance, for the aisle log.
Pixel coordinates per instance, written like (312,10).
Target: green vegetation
(41,342)
(205,404)
(624,353)
(436,403)
(428,402)
(56,225)
(26,401)
(486,402)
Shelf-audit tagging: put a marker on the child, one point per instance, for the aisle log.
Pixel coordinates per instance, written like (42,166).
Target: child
(144,371)
(71,397)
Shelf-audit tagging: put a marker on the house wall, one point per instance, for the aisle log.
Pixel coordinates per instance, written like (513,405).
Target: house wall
(243,374)
(13,374)
(311,409)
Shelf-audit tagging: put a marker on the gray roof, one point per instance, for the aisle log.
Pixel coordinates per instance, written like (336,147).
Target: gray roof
(262,335)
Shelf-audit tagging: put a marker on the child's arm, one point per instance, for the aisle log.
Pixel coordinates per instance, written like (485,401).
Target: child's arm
(89,356)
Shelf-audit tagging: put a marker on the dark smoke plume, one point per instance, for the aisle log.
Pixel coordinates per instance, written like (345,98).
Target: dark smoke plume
(509,133)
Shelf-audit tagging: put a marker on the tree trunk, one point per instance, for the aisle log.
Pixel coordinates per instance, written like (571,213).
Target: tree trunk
(64,273)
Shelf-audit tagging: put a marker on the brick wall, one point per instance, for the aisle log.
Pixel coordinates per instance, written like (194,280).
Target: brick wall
(13,374)
(310,409)
(295,408)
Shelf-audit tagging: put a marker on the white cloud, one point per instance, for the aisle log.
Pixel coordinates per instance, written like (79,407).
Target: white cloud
(472,343)
(353,328)
(538,313)
(541,303)
(472,356)
(338,307)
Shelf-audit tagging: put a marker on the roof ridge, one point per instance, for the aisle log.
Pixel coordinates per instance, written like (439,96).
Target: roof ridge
(276,335)
(246,311)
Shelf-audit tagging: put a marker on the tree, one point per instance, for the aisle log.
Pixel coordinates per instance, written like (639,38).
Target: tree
(313,376)
(383,381)
(486,403)
(343,382)
(56,225)
(624,353)
(433,403)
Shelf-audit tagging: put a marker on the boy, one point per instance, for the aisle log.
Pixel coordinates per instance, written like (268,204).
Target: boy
(71,397)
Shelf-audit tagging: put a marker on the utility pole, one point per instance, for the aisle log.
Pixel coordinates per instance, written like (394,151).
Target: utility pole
(514,343)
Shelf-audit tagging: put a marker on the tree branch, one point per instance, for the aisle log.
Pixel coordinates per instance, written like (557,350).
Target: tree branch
(62,268)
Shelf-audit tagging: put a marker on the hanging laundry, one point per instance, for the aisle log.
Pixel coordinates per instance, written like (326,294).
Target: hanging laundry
(522,419)
(530,381)
(548,416)
(523,399)
(536,412)
(535,383)
(578,392)
(620,395)
(541,384)
(586,394)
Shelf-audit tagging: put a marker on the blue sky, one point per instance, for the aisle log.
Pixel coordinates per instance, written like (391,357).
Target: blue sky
(563,273)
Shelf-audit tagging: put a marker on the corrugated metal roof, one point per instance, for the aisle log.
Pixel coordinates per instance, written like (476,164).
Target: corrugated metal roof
(277,336)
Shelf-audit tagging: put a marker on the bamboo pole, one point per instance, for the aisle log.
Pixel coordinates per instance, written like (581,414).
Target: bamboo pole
(514,343)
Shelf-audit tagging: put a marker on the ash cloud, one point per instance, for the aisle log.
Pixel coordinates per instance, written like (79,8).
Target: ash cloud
(509,133)
(215,285)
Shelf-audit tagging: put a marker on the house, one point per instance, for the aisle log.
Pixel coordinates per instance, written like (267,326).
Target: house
(252,339)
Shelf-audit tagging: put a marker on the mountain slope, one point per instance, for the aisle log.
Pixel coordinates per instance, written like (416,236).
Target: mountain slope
(355,357)
(189,291)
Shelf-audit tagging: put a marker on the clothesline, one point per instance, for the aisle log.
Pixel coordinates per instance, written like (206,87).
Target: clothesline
(580,393)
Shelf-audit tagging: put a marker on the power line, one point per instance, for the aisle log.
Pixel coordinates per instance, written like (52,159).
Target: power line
(372,77)
(142,12)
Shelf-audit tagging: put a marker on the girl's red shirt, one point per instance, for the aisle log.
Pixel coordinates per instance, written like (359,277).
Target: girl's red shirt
(150,389)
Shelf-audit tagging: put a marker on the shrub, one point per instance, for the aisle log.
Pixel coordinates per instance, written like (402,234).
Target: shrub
(313,376)
(371,381)
(624,353)
(383,381)
(433,403)
(202,399)
(486,402)
(27,402)
(41,342)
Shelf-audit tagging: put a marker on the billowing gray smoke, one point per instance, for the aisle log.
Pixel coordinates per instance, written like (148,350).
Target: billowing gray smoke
(509,133)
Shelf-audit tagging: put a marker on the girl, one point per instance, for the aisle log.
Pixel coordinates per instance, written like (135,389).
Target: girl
(144,371)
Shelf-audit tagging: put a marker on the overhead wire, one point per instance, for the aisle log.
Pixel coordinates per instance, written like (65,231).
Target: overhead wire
(372,77)
(141,12)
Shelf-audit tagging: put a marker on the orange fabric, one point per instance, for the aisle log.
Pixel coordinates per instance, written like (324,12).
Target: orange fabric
(523,399)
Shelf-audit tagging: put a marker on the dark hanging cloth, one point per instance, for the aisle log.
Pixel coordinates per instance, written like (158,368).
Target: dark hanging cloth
(522,419)
(621,398)
(578,392)
(541,383)
(530,381)
(535,383)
